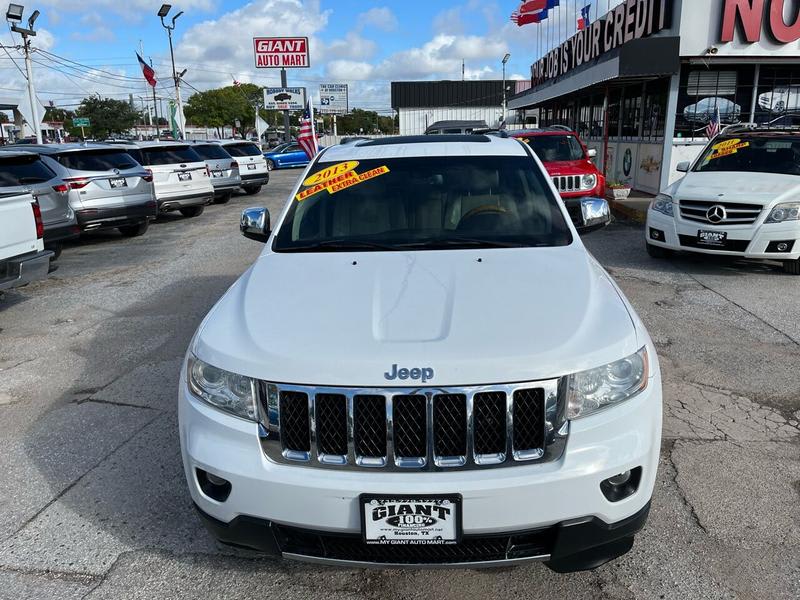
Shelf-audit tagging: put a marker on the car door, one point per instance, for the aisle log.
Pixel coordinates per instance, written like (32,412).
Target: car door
(293,156)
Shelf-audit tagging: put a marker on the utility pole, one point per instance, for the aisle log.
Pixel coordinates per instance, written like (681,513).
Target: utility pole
(505,60)
(287,135)
(14,14)
(163,12)
(155,108)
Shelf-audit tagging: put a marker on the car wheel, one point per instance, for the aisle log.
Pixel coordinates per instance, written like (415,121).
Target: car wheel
(134,230)
(251,189)
(270,164)
(192,211)
(658,251)
(792,266)
(223,199)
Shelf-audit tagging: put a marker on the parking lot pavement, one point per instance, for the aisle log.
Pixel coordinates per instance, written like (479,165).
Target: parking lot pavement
(94,505)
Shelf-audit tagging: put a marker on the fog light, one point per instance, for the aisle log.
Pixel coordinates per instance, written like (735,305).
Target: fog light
(213,486)
(656,234)
(782,247)
(622,485)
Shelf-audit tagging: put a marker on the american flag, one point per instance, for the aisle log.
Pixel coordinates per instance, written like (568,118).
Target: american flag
(712,129)
(307,138)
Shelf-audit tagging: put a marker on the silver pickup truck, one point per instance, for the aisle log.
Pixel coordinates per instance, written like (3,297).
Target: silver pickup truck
(22,255)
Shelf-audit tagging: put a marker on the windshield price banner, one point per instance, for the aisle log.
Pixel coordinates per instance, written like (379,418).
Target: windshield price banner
(280,53)
(337,178)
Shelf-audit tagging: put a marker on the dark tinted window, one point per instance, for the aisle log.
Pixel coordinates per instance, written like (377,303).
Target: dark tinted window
(23,170)
(210,151)
(96,160)
(244,149)
(291,148)
(169,155)
(555,148)
(424,204)
(752,154)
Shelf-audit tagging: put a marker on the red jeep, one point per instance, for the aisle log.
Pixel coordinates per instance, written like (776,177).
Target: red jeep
(566,159)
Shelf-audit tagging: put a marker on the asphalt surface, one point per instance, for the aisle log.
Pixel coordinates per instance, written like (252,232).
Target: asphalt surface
(93,502)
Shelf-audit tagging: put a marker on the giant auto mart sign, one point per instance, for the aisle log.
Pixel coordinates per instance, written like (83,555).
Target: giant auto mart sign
(631,20)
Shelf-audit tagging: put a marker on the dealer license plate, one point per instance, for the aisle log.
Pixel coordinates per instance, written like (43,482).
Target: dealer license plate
(118,182)
(184,176)
(216,173)
(251,167)
(711,238)
(404,520)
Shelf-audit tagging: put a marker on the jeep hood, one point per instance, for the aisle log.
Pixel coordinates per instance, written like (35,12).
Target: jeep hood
(733,186)
(473,316)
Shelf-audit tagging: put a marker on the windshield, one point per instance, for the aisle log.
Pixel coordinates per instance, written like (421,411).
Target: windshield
(555,148)
(211,151)
(423,203)
(245,149)
(23,170)
(755,154)
(170,155)
(96,160)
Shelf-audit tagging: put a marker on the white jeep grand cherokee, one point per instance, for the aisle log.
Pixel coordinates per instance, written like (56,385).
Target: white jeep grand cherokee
(424,366)
(739,198)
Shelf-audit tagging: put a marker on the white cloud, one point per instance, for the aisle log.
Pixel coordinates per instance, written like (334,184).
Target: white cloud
(353,46)
(381,18)
(449,21)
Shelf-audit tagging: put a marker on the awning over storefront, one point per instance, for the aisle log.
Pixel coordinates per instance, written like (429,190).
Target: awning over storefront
(639,59)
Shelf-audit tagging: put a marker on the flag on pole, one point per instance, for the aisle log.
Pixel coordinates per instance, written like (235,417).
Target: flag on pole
(584,21)
(147,71)
(713,127)
(307,138)
(530,11)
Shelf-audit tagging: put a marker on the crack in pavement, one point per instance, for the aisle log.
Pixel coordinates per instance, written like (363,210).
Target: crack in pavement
(73,577)
(94,400)
(681,492)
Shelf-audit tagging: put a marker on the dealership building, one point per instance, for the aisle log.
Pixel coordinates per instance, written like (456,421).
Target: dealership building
(641,83)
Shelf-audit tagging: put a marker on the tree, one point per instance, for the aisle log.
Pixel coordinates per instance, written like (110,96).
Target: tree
(364,121)
(224,106)
(107,116)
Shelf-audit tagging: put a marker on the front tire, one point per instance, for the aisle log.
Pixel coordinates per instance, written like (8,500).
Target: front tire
(192,211)
(251,189)
(134,230)
(223,199)
(792,266)
(658,251)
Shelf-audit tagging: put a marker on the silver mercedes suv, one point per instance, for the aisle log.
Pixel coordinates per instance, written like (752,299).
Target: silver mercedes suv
(224,169)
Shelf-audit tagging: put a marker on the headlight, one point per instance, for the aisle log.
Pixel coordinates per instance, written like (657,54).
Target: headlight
(588,181)
(595,389)
(663,204)
(788,211)
(229,392)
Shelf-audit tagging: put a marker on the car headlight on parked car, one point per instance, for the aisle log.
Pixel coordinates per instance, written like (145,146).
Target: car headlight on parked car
(595,389)
(226,391)
(588,181)
(663,204)
(788,211)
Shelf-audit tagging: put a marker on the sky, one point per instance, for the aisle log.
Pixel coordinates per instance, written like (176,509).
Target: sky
(88,47)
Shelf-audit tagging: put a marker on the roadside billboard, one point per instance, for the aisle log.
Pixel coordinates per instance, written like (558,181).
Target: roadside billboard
(288,98)
(281,52)
(333,98)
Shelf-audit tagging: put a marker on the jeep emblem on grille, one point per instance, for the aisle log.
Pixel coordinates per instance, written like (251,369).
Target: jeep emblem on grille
(417,373)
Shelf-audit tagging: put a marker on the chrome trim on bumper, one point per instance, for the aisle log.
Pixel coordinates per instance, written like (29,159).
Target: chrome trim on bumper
(338,562)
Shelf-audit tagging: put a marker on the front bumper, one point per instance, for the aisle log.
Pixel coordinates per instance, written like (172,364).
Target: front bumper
(746,241)
(539,498)
(90,219)
(24,269)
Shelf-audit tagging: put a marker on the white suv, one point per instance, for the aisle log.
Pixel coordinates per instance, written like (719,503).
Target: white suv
(252,164)
(424,366)
(739,198)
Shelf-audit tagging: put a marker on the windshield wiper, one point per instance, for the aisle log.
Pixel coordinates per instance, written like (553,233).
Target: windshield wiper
(343,245)
(462,242)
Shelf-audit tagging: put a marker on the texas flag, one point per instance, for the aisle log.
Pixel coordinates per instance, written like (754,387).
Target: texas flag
(584,21)
(147,71)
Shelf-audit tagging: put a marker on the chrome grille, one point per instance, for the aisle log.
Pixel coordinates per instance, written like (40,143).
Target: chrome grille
(567,183)
(737,214)
(405,429)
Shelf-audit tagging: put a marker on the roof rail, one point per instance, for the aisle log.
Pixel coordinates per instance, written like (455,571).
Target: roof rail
(561,127)
(738,127)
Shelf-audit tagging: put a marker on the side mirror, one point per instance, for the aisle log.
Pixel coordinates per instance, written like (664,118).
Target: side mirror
(683,167)
(255,224)
(591,153)
(595,214)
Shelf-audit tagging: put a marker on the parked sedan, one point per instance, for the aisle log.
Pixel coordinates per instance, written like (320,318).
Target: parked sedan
(288,154)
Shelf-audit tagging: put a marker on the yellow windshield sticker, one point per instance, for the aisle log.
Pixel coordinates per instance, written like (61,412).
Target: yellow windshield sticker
(341,182)
(726,148)
(330,172)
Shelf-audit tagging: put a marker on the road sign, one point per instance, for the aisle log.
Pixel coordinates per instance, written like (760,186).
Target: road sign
(333,98)
(80,122)
(285,98)
(281,53)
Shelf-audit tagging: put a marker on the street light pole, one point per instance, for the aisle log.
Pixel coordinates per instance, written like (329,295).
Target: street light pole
(505,60)
(162,12)
(14,13)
